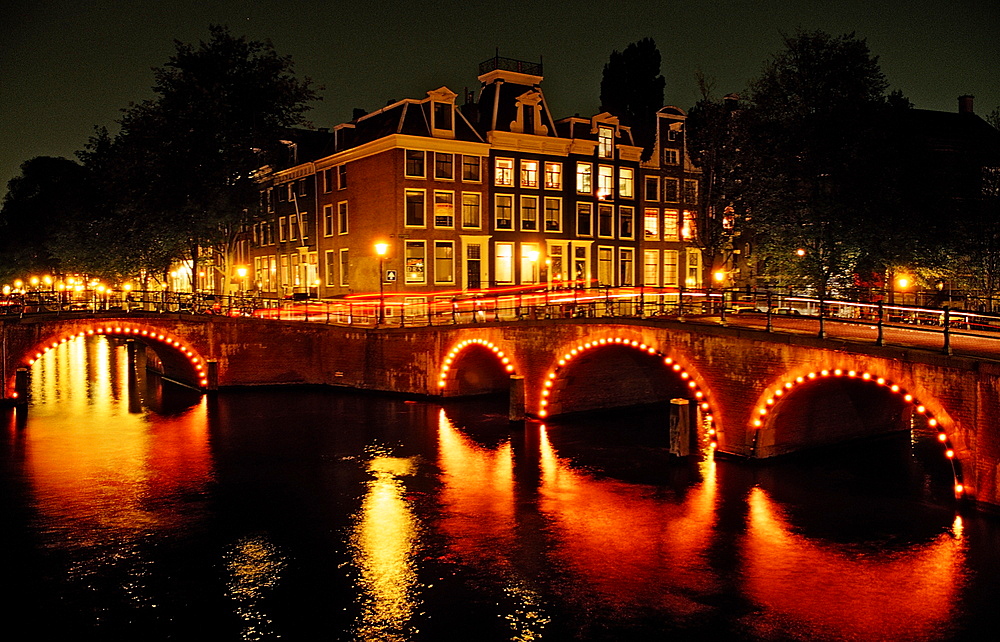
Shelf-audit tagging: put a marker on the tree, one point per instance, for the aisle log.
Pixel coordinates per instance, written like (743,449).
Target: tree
(183,164)
(49,193)
(714,142)
(632,89)
(817,160)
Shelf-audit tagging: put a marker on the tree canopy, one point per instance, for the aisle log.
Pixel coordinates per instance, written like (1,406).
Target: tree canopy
(632,89)
(179,175)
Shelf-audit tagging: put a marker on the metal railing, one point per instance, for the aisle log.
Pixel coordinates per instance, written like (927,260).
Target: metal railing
(878,322)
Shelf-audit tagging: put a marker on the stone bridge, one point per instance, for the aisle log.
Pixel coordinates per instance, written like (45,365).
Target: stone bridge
(756,394)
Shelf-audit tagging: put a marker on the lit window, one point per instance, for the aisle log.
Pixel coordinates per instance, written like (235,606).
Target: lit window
(471,210)
(605,142)
(415,212)
(504,172)
(414,166)
(504,212)
(553,175)
(689,228)
(444,261)
(581,269)
(505,262)
(670,227)
(670,268)
(651,224)
(529,213)
(529,173)
(415,261)
(444,209)
(605,181)
(584,213)
(651,267)
(626,182)
(584,177)
(553,214)
(530,258)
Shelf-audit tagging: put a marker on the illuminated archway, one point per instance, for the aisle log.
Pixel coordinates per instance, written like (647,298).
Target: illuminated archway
(450,380)
(773,396)
(197,371)
(699,395)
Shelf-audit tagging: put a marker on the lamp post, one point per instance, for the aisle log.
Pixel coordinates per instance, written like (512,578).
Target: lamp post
(381,249)
(241,272)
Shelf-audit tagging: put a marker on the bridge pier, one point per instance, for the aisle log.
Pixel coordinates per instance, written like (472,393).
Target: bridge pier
(516,409)
(21,386)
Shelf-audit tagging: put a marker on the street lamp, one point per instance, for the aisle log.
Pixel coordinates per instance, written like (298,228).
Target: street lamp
(241,272)
(381,249)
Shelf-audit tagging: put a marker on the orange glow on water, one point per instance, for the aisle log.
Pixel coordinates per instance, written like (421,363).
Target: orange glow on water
(827,590)
(632,549)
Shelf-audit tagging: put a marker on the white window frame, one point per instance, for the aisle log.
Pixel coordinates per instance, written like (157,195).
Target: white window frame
(343,218)
(523,227)
(503,172)
(407,265)
(451,261)
(553,175)
(441,205)
(508,198)
(545,214)
(478,198)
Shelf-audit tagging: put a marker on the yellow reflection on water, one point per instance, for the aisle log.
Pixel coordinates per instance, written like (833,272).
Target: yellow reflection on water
(824,590)
(254,567)
(384,541)
(102,478)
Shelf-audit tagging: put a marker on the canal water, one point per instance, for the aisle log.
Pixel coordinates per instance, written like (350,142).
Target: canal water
(134,509)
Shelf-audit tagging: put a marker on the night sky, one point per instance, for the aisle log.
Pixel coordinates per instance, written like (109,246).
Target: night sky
(68,65)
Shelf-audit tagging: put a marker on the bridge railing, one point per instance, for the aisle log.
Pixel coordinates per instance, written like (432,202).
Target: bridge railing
(774,310)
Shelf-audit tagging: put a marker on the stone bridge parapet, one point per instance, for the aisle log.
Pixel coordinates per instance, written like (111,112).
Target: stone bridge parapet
(756,394)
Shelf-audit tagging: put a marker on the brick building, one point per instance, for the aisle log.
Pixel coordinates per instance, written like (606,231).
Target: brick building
(491,193)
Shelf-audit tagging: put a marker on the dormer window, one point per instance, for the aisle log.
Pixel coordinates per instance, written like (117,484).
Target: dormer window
(443,116)
(605,142)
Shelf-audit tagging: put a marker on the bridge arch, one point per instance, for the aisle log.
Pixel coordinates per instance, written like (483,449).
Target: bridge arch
(556,380)
(475,366)
(777,399)
(177,358)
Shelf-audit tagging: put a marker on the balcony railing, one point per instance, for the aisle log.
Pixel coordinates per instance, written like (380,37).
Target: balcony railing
(510,64)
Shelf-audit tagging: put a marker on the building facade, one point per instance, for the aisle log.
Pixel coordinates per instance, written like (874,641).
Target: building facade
(491,194)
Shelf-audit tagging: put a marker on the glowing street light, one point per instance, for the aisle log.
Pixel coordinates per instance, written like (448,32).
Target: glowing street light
(381,249)
(241,272)
(800,252)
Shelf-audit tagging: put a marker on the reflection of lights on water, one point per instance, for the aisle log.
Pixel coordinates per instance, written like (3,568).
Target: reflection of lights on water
(384,541)
(255,566)
(823,588)
(528,619)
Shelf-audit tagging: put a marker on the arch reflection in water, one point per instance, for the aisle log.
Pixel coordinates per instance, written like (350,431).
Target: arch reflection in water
(480,520)
(385,541)
(637,548)
(102,477)
(844,591)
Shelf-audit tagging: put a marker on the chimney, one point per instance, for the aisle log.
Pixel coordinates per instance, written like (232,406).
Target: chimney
(965,104)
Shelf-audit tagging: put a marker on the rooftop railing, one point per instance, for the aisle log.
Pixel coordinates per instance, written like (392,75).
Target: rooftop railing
(510,64)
